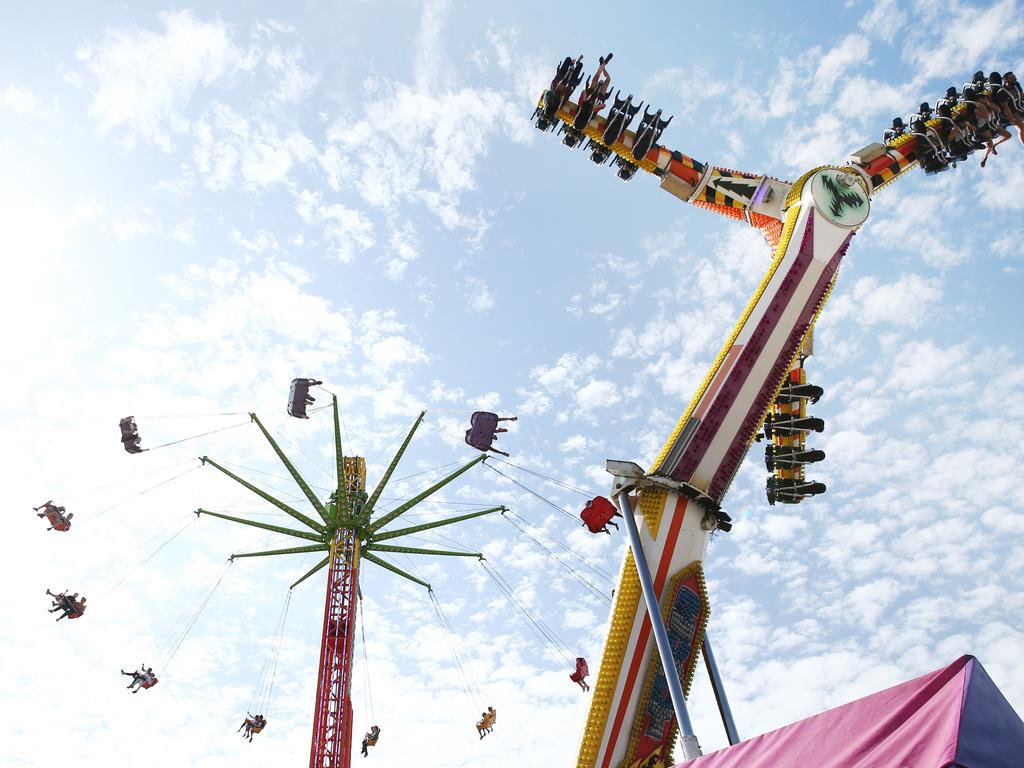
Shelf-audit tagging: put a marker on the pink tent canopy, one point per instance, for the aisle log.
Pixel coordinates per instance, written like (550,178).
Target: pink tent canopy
(952,717)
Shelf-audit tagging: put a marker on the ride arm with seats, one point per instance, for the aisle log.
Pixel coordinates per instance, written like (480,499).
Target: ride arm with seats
(754,198)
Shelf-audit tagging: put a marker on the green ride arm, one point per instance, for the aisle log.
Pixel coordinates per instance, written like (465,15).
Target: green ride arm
(435,524)
(393,568)
(401,509)
(265,526)
(313,499)
(264,495)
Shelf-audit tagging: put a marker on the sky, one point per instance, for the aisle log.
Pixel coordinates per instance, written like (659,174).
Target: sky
(198,204)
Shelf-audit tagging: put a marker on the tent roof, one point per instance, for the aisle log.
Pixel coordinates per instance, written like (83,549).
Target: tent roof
(955,716)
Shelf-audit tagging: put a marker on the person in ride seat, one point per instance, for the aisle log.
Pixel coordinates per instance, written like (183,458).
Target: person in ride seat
(253,724)
(142,677)
(58,520)
(370,740)
(1003,98)
(487,720)
(582,670)
(598,85)
(70,605)
(568,74)
(897,130)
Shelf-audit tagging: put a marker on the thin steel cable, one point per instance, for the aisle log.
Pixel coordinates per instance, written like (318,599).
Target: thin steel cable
(195,618)
(532,492)
(554,641)
(560,483)
(65,497)
(390,442)
(298,447)
(536,616)
(148,557)
(366,661)
(148,417)
(274,475)
(277,655)
(261,681)
(472,689)
(601,572)
(121,558)
(195,437)
(140,493)
(565,566)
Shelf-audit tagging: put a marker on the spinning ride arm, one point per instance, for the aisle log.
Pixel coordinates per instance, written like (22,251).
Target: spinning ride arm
(809,224)
(756,199)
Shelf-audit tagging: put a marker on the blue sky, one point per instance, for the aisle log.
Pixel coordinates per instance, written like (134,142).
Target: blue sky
(198,204)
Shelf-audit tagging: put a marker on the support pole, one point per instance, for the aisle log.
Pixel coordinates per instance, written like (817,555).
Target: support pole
(688,740)
(719,689)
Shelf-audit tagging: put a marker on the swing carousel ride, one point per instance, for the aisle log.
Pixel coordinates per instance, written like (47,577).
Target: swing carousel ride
(756,389)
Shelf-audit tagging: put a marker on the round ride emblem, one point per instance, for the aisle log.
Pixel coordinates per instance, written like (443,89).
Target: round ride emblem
(839,197)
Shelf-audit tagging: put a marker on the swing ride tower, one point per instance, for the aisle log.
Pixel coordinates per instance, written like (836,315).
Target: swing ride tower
(350,532)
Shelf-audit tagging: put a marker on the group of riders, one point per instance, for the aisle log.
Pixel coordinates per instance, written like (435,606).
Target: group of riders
(593,98)
(976,116)
(142,677)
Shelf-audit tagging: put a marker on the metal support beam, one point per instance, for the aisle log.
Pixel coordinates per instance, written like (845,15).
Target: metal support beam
(394,569)
(311,571)
(419,551)
(264,526)
(394,463)
(435,524)
(332,715)
(289,551)
(264,495)
(299,481)
(401,509)
(690,747)
(716,685)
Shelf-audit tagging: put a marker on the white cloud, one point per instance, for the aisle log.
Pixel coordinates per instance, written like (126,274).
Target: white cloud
(969,38)
(907,301)
(19,100)
(884,20)
(834,64)
(597,393)
(348,230)
(294,81)
(144,79)
(477,295)
(405,248)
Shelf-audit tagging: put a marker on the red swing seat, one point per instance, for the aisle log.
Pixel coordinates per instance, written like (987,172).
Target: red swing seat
(582,670)
(597,514)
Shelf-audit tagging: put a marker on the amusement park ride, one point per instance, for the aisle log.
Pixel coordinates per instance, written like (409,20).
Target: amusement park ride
(349,532)
(658,623)
(661,605)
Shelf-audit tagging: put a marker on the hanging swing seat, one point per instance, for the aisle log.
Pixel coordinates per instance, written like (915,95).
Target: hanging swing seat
(582,670)
(598,513)
(483,431)
(299,397)
(130,435)
(58,521)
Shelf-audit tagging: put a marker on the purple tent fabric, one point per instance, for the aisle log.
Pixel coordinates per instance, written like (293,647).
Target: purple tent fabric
(951,717)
